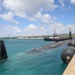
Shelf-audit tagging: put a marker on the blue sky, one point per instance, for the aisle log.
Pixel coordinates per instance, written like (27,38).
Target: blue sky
(36,17)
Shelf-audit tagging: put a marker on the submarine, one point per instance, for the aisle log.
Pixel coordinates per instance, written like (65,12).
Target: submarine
(56,38)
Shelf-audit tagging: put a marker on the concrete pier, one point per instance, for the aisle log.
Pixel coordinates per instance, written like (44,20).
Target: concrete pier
(70,70)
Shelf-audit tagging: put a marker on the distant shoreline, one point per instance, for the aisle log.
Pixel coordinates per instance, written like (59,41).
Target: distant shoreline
(36,37)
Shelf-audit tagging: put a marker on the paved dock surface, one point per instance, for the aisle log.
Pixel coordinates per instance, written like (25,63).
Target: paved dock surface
(70,70)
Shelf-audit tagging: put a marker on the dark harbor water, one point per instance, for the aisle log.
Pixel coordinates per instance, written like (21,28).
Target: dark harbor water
(21,63)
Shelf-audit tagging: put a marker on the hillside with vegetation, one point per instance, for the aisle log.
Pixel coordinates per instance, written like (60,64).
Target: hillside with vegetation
(66,35)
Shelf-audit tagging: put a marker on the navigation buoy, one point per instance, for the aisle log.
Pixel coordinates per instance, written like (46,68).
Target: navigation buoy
(67,54)
(3,53)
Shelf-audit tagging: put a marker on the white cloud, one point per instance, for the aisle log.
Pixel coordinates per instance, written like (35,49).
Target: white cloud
(33,30)
(32,10)
(31,27)
(7,30)
(45,18)
(23,8)
(62,3)
(9,17)
(60,28)
(73,1)
(46,28)
(29,6)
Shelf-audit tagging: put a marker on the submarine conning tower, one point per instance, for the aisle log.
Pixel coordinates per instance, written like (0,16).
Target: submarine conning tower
(3,53)
(70,34)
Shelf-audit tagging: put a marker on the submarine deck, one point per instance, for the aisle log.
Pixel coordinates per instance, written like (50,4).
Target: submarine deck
(49,46)
(70,70)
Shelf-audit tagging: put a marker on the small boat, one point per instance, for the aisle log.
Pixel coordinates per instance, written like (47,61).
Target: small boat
(56,38)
